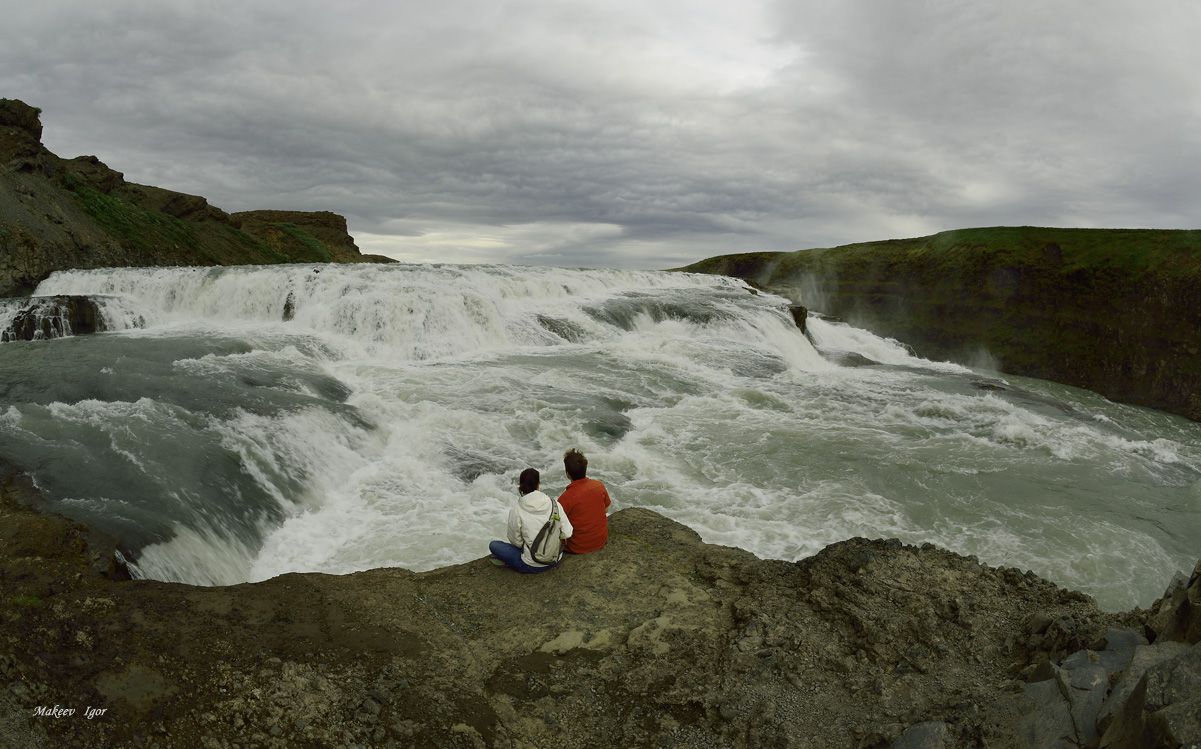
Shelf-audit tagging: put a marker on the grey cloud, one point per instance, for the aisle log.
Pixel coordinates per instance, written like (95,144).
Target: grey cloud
(415,120)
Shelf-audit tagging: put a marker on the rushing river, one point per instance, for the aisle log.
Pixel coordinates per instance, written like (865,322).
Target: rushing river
(238,423)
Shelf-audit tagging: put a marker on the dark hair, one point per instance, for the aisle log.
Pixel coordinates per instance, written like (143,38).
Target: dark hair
(576,464)
(530,478)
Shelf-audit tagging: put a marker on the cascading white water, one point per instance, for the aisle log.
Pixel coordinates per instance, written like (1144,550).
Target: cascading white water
(397,311)
(250,421)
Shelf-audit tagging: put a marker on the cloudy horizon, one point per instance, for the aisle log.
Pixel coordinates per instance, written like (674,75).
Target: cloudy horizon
(635,134)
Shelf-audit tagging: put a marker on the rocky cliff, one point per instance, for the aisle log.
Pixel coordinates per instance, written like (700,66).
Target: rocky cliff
(320,234)
(1113,311)
(657,640)
(78,213)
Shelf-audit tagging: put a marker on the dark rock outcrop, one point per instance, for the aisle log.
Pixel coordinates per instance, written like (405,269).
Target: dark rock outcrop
(18,114)
(800,316)
(38,318)
(1114,311)
(656,640)
(78,213)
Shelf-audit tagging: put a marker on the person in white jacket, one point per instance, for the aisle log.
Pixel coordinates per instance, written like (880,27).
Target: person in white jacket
(526,517)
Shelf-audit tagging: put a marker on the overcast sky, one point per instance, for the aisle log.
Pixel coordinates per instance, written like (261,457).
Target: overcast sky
(631,133)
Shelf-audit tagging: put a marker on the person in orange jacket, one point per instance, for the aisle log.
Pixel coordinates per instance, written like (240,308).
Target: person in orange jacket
(585,501)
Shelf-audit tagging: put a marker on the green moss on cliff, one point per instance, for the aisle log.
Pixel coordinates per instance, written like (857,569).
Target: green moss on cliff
(130,225)
(965,251)
(165,238)
(303,247)
(968,251)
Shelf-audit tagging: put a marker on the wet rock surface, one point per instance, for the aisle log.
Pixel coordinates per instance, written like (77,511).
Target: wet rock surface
(39,318)
(656,640)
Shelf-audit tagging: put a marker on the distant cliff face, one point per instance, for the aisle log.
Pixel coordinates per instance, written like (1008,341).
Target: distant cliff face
(58,213)
(305,236)
(1117,312)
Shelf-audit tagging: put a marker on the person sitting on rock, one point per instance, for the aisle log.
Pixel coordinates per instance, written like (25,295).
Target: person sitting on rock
(526,517)
(585,501)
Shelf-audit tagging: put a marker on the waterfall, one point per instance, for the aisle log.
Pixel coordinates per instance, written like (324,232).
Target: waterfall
(236,423)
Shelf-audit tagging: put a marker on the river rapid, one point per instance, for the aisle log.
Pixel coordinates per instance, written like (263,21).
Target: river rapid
(238,423)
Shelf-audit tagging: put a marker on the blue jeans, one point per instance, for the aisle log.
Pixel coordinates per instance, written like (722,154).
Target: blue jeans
(511,555)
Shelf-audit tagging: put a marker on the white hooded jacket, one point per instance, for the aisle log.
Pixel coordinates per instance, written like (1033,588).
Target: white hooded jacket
(526,518)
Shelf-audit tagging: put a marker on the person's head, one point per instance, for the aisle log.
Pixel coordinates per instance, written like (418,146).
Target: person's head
(576,464)
(529,481)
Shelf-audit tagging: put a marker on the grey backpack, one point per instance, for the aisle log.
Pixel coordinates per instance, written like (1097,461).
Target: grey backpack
(547,547)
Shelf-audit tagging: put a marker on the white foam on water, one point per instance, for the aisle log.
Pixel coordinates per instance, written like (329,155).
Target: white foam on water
(395,311)
(405,506)
(298,459)
(203,556)
(8,312)
(1114,563)
(838,337)
(118,314)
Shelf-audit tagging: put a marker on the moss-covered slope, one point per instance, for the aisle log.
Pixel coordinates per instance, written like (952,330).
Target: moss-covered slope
(1114,311)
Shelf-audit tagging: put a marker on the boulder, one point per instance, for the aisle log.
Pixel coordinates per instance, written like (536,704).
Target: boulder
(1039,716)
(1177,614)
(1164,708)
(799,316)
(1123,694)
(929,735)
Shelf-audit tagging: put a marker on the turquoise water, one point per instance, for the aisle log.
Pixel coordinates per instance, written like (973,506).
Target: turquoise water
(385,422)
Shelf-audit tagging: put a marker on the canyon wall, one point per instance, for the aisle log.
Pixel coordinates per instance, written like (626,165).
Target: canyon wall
(1114,311)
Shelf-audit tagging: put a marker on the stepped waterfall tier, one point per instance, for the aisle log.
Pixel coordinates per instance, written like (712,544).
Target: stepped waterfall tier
(232,424)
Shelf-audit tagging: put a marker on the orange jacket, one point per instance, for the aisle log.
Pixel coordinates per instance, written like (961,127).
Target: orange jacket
(585,501)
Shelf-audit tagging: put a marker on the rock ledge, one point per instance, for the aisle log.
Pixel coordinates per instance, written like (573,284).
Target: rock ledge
(656,640)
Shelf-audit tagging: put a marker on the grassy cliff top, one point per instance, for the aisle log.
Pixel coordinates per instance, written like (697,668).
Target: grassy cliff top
(1129,251)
